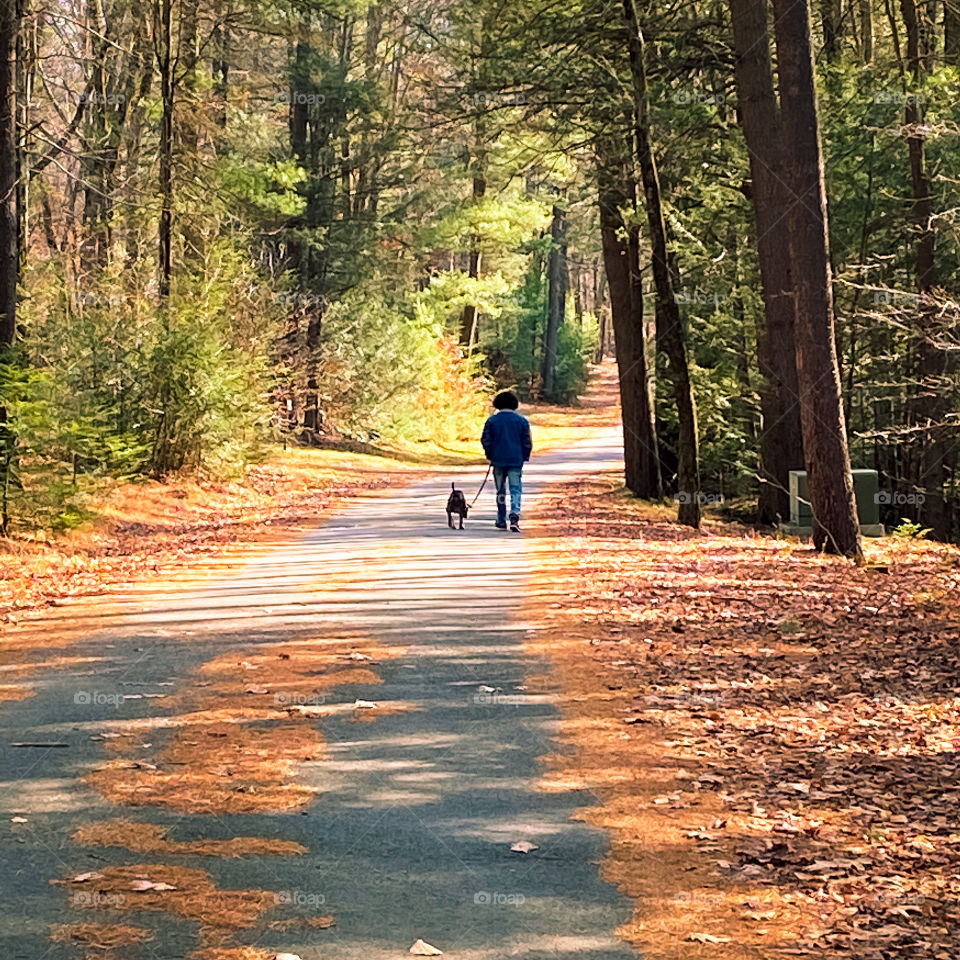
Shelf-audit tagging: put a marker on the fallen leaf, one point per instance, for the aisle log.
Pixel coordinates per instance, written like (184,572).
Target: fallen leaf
(524,846)
(141,886)
(423,949)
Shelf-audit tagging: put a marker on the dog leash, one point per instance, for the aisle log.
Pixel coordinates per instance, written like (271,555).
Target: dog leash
(482,485)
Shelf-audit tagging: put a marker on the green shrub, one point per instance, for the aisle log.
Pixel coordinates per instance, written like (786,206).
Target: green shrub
(909,530)
(210,398)
(576,346)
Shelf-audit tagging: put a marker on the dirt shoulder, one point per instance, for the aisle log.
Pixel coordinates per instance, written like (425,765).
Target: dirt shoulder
(772,737)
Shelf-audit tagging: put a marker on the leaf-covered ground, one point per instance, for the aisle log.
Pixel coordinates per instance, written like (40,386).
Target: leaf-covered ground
(773,737)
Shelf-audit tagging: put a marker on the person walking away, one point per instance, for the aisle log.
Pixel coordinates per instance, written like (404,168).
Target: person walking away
(508,444)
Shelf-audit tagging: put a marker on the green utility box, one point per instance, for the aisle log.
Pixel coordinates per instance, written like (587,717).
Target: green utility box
(866,489)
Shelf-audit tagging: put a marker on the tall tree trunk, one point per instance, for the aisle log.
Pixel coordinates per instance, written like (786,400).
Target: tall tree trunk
(867,33)
(601,311)
(831,15)
(111,91)
(25,68)
(166,458)
(9,233)
(140,79)
(478,164)
(601,350)
(556,300)
(931,406)
(308,143)
(742,407)
(220,64)
(622,266)
(346,158)
(951,31)
(9,174)
(829,476)
(670,331)
(163,32)
(372,64)
(781,442)
(192,117)
(187,62)
(468,319)
(299,82)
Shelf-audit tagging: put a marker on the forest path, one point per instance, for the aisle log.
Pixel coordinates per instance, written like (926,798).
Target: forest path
(410,832)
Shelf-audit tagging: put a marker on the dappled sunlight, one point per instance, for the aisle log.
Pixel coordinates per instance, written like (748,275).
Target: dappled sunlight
(11,692)
(47,795)
(330,717)
(146,525)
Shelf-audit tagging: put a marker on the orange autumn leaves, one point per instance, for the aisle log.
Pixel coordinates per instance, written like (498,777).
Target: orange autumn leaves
(183,892)
(773,737)
(243,730)
(232,742)
(152,838)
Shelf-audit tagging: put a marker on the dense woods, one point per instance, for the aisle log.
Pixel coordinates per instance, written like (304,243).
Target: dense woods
(226,224)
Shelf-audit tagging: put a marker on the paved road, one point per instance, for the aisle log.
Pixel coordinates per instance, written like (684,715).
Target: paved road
(411,835)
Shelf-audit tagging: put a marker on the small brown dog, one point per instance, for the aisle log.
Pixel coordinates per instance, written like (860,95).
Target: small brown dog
(456,504)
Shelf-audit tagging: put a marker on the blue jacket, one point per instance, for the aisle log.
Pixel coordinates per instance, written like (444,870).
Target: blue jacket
(506,439)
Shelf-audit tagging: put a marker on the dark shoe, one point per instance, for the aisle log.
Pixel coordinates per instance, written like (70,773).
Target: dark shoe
(500,526)
(515,524)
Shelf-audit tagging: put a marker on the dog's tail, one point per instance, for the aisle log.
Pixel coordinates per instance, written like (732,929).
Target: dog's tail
(453,485)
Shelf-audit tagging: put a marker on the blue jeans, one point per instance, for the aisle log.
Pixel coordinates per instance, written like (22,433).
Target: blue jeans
(502,476)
